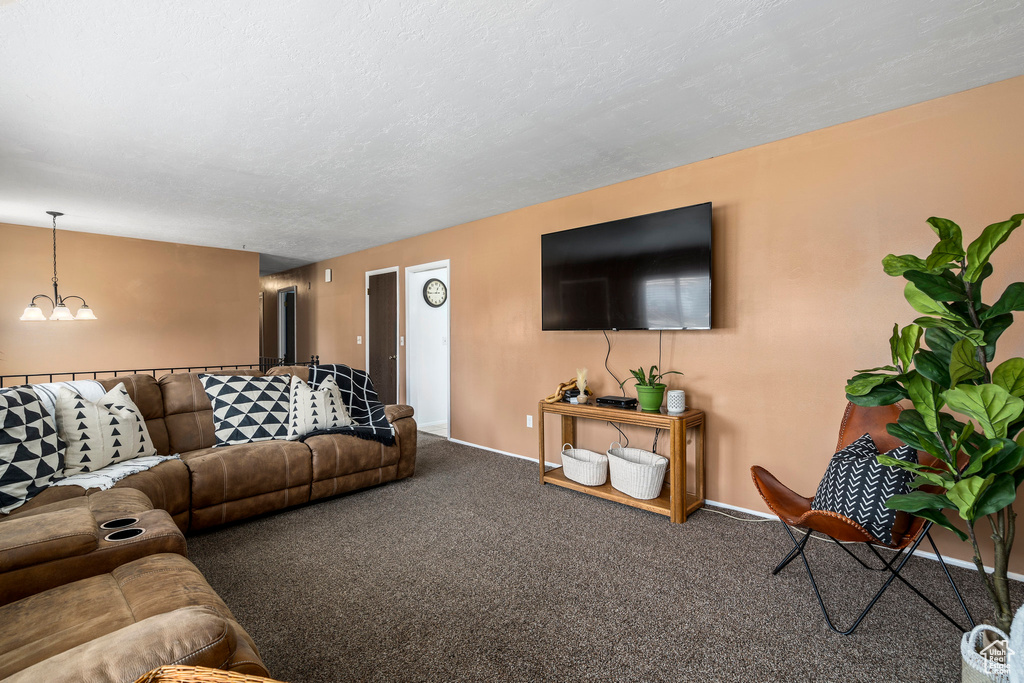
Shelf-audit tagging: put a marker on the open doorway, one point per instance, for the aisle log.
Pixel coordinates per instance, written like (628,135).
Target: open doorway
(286,312)
(427,349)
(382,332)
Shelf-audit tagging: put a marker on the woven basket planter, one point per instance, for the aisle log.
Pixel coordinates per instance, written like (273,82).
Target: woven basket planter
(198,674)
(637,473)
(583,466)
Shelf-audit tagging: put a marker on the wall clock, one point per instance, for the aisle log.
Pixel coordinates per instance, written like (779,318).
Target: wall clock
(435,293)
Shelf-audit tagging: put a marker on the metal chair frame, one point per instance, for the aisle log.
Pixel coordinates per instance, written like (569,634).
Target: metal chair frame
(902,556)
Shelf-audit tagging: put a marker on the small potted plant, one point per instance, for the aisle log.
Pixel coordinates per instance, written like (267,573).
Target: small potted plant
(650,391)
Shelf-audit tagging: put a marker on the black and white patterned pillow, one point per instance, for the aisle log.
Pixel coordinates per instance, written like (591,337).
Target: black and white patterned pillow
(31,453)
(247,409)
(102,432)
(856,486)
(364,407)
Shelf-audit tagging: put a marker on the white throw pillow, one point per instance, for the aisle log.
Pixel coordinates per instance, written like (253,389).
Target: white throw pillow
(314,409)
(100,433)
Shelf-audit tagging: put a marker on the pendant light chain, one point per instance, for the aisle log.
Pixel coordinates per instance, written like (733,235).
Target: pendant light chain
(54,250)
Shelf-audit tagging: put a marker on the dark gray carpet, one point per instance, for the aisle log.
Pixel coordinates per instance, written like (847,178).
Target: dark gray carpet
(472,571)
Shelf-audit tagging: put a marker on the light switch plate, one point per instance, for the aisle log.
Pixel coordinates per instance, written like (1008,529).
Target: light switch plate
(327,275)
(359,340)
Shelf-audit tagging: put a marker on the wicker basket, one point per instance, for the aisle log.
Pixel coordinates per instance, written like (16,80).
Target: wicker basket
(583,466)
(637,473)
(198,674)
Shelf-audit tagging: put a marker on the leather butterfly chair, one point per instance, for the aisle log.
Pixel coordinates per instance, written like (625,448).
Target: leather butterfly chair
(908,532)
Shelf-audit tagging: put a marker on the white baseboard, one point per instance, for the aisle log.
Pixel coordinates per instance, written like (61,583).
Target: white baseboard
(428,425)
(766,515)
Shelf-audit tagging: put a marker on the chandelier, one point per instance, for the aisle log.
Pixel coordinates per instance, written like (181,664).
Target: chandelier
(60,307)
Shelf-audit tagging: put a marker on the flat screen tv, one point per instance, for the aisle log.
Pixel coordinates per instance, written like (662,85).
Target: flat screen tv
(650,272)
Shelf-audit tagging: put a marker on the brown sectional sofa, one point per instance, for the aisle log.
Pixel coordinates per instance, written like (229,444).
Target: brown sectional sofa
(77,606)
(213,486)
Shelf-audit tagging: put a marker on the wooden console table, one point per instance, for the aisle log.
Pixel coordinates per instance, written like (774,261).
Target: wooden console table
(675,501)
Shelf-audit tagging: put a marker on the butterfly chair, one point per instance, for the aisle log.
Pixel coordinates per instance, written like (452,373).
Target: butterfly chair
(908,532)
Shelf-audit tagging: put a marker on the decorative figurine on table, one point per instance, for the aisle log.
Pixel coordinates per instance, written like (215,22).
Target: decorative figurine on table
(570,391)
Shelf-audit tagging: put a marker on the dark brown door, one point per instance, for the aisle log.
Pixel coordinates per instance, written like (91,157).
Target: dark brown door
(383,340)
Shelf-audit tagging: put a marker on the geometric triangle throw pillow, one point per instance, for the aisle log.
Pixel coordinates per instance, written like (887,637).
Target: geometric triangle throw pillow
(246,408)
(315,409)
(31,454)
(100,433)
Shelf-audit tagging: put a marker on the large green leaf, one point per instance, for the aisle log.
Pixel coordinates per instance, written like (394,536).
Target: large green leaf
(945,254)
(931,366)
(897,265)
(894,341)
(990,404)
(964,494)
(882,395)
(926,397)
(941,287)
(1011,300)
(935,516)
(940,341)
(980,250)
(948,231)
(1010,376)
(865,382)
(922,303)
(915,501)
(908,344)
(959,328)
(1006,456)
(964,364)
(1000,493)
(993,328)
(911,429)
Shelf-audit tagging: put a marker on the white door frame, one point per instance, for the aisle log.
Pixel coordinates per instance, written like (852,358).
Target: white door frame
(433,265)
(280,321)
(366,325)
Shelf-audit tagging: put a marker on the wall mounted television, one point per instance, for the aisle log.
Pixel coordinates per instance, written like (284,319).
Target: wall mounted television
(650,272)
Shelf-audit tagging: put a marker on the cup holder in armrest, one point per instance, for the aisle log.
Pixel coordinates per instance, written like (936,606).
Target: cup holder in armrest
(125,534)
(119,522)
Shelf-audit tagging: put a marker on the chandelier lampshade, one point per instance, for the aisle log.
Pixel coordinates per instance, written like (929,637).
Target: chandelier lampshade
(59,303)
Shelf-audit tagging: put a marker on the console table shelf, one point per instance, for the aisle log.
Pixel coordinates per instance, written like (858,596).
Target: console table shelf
(675,501)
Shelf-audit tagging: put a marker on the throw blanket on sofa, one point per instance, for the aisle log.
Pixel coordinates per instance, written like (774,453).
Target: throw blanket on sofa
(106,477)
(364,407)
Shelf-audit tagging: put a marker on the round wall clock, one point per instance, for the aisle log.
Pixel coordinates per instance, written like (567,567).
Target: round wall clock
(435,293)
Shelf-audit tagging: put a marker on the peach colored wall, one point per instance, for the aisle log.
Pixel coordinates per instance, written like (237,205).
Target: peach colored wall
(158,304)
(800,299)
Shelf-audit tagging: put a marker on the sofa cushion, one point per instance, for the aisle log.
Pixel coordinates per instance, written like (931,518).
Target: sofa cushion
(100,433)
(31,454)
(190,635)
(239,472)
(247,409)
(104,505)
(335,455)
(46,624)
(31,540)
(188,413)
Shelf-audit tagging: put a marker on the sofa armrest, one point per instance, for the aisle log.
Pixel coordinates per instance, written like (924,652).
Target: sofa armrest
(397,412)
(48,536)
(190,635)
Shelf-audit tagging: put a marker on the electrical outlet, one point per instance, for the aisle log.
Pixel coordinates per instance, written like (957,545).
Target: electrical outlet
(529,421)
(359,340)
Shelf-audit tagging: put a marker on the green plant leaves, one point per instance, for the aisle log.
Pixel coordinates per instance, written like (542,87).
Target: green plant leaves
(941,342)
(998,494)
(881,395)
(941,287)
(931,366)
(926,397)
(908,344)
(990,404)
(964,364)
(1010,376)
(922,303)
(964,494)
(1011,300)
(948,231)
(980,250)
(927,506)
(897,265)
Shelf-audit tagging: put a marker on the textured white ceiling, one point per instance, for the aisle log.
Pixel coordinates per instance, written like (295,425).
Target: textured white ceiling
(312,128)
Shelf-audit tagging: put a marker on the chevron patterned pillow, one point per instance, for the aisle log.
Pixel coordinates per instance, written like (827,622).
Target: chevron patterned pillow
(856,486)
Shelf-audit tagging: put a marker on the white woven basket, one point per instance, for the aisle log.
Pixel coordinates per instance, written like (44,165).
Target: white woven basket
(583,466)
(636,472)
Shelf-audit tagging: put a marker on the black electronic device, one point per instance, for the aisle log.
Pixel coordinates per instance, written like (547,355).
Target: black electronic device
(616,402)
(650,272)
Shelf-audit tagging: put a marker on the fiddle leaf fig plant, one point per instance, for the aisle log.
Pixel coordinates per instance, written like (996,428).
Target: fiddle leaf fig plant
(944,360)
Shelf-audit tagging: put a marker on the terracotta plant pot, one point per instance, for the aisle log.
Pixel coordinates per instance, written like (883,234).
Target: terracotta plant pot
(651,397)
